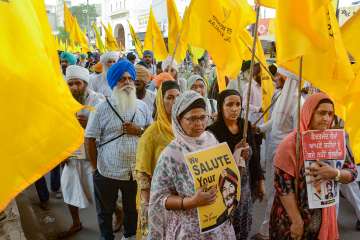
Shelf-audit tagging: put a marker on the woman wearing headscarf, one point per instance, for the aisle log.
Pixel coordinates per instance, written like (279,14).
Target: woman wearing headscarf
(173,200)
(291,216)
(229,128)
(198,84)
(153,141)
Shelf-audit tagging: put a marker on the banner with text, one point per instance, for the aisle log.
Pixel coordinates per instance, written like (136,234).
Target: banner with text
(328,146)
(215,167)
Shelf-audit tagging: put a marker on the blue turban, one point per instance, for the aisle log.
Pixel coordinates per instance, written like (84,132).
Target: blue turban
(148,52)
(70,58)
(117,70)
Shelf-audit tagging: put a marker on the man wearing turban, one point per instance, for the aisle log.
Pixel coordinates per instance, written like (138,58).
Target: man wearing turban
(76,178)
(99,83)
(111,139)
(67,59)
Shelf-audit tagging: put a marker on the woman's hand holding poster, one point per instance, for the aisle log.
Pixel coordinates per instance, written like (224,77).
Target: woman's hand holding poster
(327,146)
(215,167)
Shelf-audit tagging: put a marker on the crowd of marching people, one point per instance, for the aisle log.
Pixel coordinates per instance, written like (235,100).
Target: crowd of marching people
(141,117)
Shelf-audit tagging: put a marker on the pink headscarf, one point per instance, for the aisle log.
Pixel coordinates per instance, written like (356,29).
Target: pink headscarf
(285,160)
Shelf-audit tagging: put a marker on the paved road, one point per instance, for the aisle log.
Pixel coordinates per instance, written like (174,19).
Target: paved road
(62,218)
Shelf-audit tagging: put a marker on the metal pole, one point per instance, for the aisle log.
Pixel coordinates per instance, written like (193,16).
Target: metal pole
(257,7)
(298,135)
(88,17)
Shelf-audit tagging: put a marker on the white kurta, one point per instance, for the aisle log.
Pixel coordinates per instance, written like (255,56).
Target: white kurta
(255,101)
(76,179)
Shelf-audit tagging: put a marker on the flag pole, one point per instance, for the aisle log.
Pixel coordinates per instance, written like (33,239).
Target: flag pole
(298,135)
(257,8)
(267,109)
(176,47)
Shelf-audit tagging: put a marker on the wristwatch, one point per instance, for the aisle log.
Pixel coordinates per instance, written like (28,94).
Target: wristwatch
(337,178)
(141,131)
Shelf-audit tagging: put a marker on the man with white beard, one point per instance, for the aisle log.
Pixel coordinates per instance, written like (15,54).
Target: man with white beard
(111,139)
(98,83)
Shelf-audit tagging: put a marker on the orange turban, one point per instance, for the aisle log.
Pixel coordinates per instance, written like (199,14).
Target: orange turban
(162,77)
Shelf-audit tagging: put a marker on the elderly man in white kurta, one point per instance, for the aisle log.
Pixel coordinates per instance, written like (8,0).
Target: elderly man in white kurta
(76,179)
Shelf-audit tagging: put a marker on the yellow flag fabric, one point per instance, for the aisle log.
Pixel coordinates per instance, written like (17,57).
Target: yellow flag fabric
(154,40)
(214,26)
(68,21)
(268,3)
(350,32)
(300,34)
(80,37)
(110,41)
(328,70)
(196,53)
(76,35)
(138,44)
(99,43)
(40,129)
(174,32)
(266,80)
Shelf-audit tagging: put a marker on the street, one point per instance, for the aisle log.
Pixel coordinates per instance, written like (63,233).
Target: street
(58,219)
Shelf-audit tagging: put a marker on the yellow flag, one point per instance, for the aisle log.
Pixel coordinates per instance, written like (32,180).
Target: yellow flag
(174,32)
(154,40)
(136,40)
(68,21)
(301,28)
(268,3)
(80,37)
(267,85)
(110,41)
(62,45)
(214,26)
(350,32)
(76,35)
(328,70)
(196,53)
(40,129)
(99,43)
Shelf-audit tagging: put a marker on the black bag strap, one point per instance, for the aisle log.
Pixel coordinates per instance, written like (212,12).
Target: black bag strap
(117,114)
(113,139)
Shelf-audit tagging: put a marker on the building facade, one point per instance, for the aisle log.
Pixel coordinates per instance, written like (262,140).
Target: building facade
(119,12)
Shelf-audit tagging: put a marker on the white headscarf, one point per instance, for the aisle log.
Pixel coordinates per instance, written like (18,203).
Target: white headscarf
(206,139)
(109,55)
(166,63)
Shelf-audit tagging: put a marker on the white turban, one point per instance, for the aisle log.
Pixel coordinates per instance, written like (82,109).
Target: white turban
(77,72)
(166,63)
(109,55)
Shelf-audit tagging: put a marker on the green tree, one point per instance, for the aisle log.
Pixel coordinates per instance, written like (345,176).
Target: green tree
(80,12)
(62,35)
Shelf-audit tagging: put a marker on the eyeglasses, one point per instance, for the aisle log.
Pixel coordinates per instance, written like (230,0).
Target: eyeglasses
(111,61)
(194,119)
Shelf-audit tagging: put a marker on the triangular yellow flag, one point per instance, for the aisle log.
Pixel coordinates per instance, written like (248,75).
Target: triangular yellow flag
(214,26)
(40,128)
(154,40)
(136,40)
(174,32)
(350,32)
(99,43)
(301,28)
(110,41)
(328,70)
